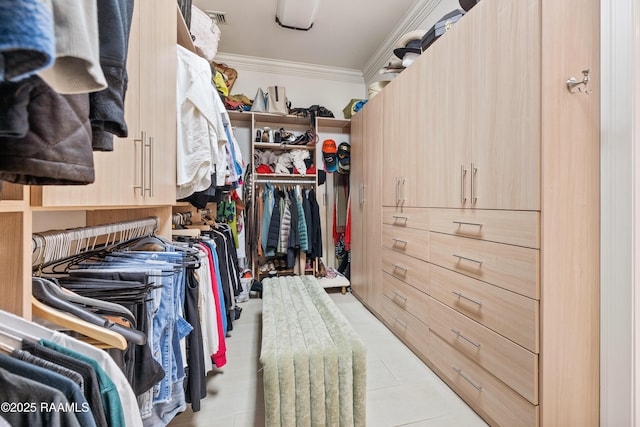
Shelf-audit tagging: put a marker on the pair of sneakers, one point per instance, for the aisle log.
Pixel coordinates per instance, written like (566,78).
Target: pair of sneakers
(308,138)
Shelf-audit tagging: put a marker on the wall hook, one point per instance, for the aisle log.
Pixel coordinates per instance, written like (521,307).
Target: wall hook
(574,85)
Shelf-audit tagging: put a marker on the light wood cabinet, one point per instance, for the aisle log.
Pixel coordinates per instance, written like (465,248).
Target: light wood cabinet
(508,158)
(141,170)
(366,200)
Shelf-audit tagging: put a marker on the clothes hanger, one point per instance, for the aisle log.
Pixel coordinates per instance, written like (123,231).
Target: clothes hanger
(43,291)
(103,307)
(60,318)
(9,342)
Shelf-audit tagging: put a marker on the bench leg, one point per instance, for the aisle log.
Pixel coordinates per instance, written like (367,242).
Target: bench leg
(344,290)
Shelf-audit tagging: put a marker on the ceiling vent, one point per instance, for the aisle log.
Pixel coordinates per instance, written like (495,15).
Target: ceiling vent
(219,18)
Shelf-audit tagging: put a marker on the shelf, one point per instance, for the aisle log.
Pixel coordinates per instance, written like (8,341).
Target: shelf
(338,125)
(281,120)
(237,117)
(280,146)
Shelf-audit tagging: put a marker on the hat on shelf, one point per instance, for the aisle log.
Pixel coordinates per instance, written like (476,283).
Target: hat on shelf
(329,155)
(468,4)
(409,43)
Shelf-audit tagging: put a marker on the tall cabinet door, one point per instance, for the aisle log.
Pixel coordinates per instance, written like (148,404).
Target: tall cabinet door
(366,201)
(447,85)
(357,187)
(503,89)
(373,133)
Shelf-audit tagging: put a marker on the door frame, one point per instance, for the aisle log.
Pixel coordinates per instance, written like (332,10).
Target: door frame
(620,214)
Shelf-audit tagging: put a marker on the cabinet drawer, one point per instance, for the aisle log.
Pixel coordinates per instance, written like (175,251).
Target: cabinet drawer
(511,267)
(410,330)
(513,227)
(486,394)
(509,314)
(406,217)
(407,241)
(511,363)
(408,269)
(406,297)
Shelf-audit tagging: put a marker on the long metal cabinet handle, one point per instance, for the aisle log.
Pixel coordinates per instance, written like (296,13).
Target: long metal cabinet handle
(467,379)
(460,257)
(364,199)
(474,198)
(400,322)
(468,223)
(397,191)
(142,140)
(469,340)
(399,267)
(403,199)
(463,172)
(149,144)
(461,295)
(396,240)
(399,295)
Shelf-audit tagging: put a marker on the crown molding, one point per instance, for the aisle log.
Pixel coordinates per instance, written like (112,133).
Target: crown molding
(415,16)
(290,68)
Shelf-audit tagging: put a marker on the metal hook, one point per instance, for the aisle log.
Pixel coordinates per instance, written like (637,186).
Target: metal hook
(580,85)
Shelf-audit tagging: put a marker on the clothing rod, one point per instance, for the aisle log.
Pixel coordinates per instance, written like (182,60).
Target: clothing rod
(57,244)
(285,181)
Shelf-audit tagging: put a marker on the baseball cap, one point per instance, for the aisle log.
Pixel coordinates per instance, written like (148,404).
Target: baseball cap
(344,157)
(329,155)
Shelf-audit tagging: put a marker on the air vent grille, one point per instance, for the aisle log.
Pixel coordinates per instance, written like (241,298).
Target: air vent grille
(218,17)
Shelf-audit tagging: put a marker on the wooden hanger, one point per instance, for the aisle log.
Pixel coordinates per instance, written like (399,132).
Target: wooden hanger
(106,336)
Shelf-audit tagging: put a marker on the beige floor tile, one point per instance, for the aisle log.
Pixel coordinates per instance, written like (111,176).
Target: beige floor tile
(401,389)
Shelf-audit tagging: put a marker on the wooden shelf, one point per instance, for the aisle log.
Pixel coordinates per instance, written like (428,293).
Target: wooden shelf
(336,125)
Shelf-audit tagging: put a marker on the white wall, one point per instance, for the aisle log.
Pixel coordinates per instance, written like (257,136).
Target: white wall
(305,84)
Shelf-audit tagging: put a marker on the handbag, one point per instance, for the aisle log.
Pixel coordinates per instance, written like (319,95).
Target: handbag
(258,102)
(277,100)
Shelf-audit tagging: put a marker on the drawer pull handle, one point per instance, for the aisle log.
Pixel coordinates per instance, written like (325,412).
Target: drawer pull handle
(399,267)
(462,374)
(401,323)
(404,242)
(469,340)
(397,217)
(460,257)
(461,295)
(476,224)
(399,295)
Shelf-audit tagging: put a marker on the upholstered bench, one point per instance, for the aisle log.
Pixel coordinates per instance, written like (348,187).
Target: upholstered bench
(314,364)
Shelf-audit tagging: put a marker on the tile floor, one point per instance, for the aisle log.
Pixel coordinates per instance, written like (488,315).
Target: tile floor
(401,390)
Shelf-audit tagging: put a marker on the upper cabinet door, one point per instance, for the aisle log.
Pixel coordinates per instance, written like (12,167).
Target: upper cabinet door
(504,96)
(446,104)
(158,99)
(141,168)
(405,141)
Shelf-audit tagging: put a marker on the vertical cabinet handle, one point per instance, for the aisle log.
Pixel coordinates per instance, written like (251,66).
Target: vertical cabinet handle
(403,197)
(364,200)
(142,140)
(463,172)
(150,144)
(474,170)
(397,191)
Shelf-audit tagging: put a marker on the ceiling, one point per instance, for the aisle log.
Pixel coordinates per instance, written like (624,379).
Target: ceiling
(345,34)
